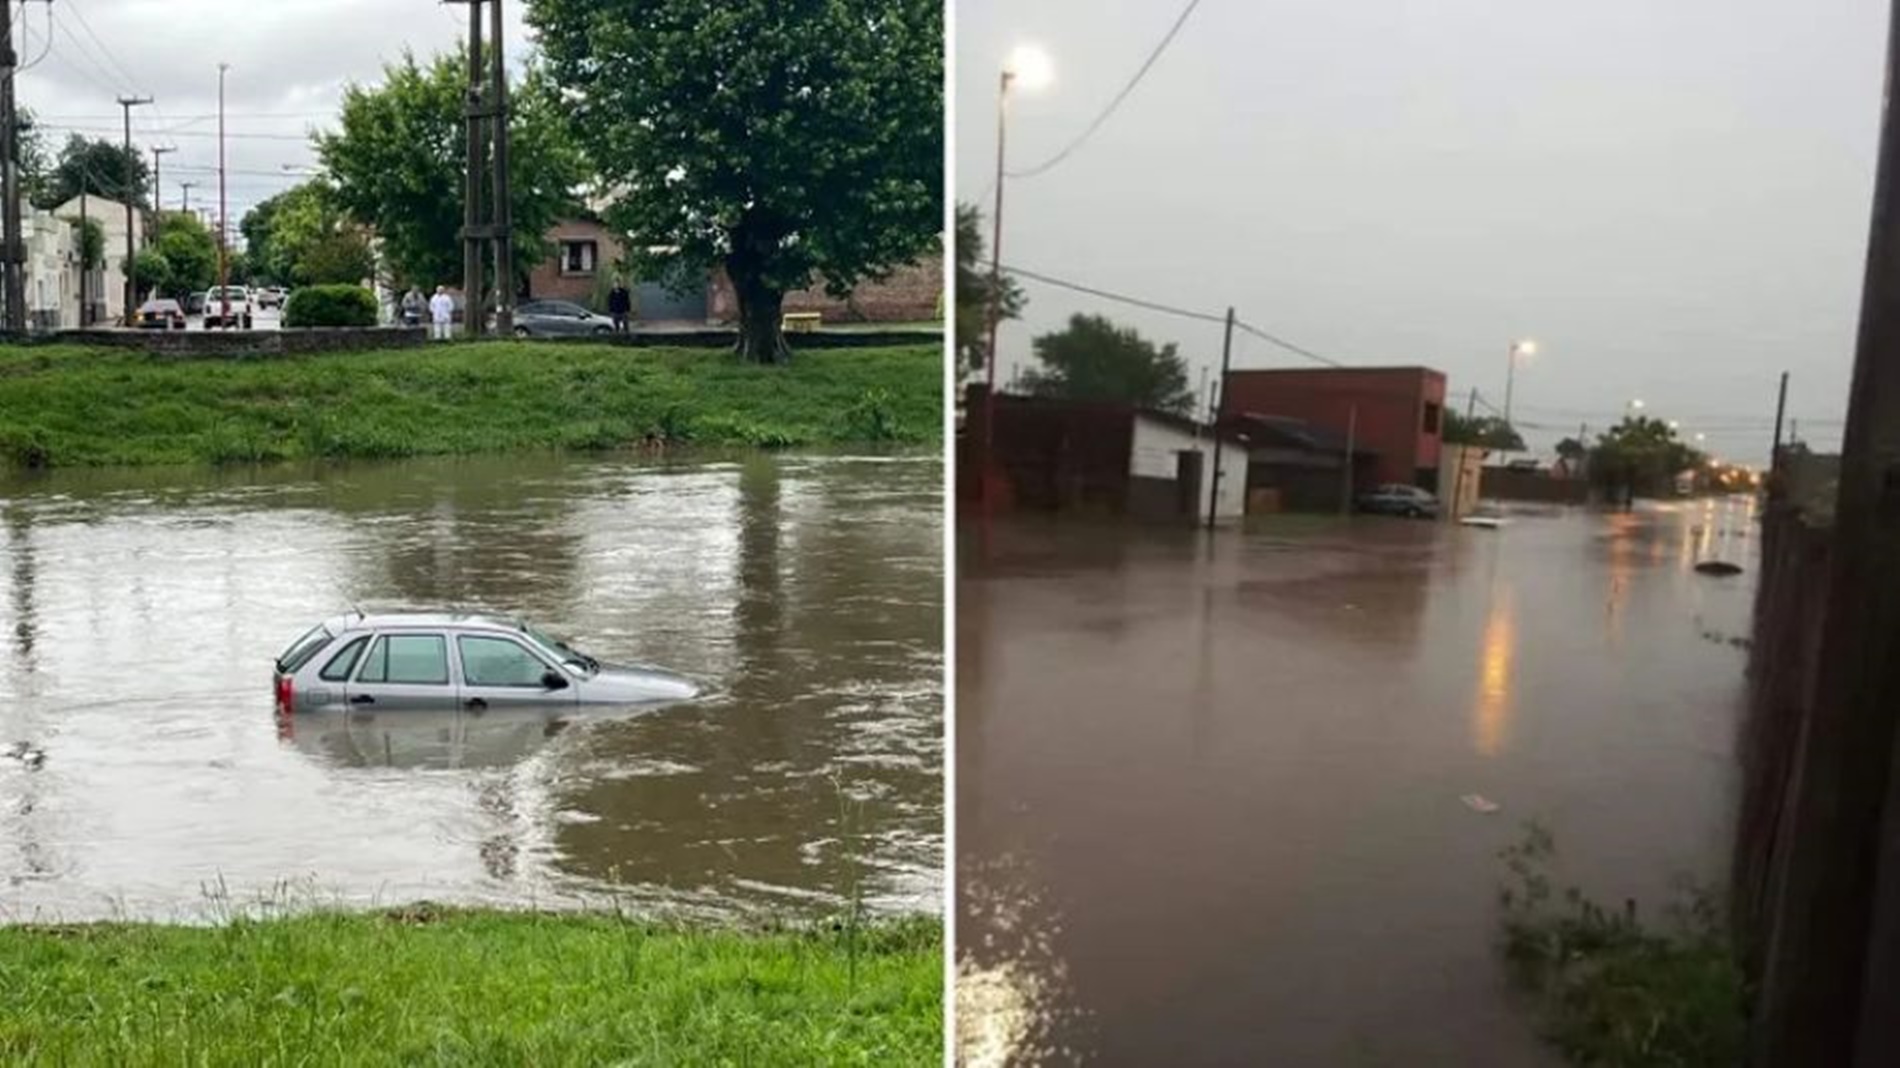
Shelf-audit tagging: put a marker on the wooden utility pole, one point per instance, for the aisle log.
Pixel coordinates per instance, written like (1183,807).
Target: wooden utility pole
(12,244)
(1352,442)
(501,211)
(1831,975)
(1226,361)
(1781,408)
(130,311)
(186,186)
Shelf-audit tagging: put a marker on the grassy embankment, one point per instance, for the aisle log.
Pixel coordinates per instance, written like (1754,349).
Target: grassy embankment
(1615,990)
(71,406)
(438,987)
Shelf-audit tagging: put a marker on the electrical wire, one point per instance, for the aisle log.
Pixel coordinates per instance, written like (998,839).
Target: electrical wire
(1146,66)
(1117,297)
(1287,345)
(79,14)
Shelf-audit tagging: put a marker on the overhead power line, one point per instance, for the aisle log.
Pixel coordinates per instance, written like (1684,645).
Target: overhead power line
(1089,132)
(1169,309)
(1117,297)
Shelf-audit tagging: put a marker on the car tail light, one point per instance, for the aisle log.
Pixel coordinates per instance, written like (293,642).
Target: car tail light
(284,694)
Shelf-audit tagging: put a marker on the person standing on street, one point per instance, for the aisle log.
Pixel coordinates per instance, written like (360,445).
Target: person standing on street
(412,306)
(441,314)
(620,305)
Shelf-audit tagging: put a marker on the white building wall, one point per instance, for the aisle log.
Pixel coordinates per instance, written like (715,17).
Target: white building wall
(1153,456)
(110,214)
(52,271)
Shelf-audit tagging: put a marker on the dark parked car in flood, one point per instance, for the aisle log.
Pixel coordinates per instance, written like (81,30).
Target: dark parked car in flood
(425,660)
(161,315)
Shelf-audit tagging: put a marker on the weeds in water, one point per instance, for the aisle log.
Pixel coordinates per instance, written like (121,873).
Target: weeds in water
(1613,991)
(872,417)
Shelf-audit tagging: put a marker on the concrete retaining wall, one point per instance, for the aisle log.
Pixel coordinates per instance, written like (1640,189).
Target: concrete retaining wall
(237,344)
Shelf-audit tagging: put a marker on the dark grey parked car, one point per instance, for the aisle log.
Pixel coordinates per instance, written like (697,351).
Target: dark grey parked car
(558,318)
(1397,499)
(442,661)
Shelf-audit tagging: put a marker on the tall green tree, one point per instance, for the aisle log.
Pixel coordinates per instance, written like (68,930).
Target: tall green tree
(1095,360)
(1484,431)
(101,168)
(1641,455)
(30,152)
(190,252)
(397,157)
(304,235)
(974,292)
(784,142)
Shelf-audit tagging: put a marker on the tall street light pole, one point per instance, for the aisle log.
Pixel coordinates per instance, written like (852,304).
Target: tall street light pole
(129,312)
(1030,66)
(1524,347)
(224,255)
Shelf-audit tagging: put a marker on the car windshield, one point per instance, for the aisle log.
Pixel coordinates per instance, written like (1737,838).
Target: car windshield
(567,653)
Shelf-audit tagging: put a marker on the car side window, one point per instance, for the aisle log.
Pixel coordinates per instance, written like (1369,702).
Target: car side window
(532,308)
(499,662)
(344,662)
(408,659)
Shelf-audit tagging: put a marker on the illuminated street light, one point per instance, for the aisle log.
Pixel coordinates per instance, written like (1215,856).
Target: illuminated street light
(1029,67)
(1520,347)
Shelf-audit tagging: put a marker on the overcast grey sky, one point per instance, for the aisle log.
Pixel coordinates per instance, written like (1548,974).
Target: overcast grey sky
(1670,196)
(290,60)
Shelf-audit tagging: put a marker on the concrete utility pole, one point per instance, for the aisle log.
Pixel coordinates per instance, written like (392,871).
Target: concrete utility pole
(126,104)
(159,152)
(1781,408)
(1831,971)
(224,257)
(501,211)
(1226,361)
(12,250)
(186,186)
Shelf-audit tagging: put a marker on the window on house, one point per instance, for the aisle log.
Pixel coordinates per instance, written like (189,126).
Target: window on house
(1431,418)
(578,257)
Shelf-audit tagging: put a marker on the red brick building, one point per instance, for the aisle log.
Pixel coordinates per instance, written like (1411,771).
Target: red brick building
(1395,413)
(585,252)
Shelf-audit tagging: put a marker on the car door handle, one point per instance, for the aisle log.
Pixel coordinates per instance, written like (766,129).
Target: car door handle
(474,702)
(362,699)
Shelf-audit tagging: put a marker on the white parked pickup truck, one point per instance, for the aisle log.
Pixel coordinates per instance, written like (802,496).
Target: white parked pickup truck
(237,299)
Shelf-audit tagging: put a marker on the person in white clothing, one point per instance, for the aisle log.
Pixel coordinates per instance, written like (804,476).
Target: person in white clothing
(441,314)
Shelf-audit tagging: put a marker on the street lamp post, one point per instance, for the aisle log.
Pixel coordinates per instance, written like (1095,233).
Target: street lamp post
(1031,66)
(1524,347)
(224,259)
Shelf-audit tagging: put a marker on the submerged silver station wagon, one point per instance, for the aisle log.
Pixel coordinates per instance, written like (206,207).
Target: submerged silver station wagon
(441,661)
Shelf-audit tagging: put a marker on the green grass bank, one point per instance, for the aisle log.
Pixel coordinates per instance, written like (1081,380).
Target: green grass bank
(422,986)
(71,406)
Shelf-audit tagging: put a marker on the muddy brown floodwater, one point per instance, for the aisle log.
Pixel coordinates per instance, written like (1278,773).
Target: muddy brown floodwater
(1209,793)
(140,613)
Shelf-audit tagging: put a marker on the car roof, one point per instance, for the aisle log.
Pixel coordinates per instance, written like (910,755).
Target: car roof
(356,622)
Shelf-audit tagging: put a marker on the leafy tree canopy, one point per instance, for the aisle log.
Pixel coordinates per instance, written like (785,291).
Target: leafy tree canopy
(1641,455)
(785,142)
(190,252)
(101,168)
(974,292)
(1096,360)
(1484,431)
(396,164)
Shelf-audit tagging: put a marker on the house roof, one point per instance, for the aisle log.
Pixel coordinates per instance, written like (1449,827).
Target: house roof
(1288,432)
(1183,423)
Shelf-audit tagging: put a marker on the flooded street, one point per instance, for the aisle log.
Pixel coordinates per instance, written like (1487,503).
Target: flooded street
(140,612)
(1210,795)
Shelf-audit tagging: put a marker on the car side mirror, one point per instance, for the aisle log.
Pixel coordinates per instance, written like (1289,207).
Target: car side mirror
(554,680)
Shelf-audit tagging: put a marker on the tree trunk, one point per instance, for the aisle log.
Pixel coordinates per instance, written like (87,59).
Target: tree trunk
(761,320)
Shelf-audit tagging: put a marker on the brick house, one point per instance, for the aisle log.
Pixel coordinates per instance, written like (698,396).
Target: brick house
(582,269)
(1394,413)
